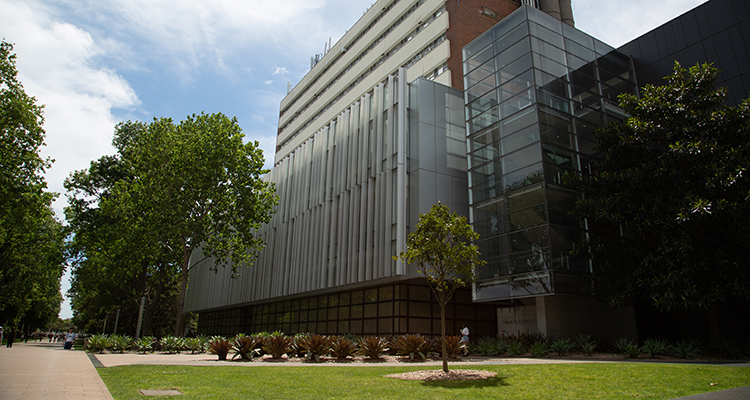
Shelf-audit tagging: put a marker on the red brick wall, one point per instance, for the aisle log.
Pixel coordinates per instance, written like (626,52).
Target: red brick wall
(466,21)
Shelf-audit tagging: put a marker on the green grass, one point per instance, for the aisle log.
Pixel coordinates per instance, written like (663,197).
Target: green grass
(549,381)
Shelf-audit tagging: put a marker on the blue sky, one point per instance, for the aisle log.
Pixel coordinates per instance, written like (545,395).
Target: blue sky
(94,63)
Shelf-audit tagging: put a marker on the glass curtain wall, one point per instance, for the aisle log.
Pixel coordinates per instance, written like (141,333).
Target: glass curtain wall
(537,89)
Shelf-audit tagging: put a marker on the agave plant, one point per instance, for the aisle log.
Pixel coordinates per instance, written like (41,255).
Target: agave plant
(98,343)
(196,344)
(315,346)
(516,348)
(485,346)
(688,349)
(411,346)
(172,344)
(372,347)
(586,343)
(145,344)
(562,346)
(277,344)
(245,346)
(539,349)
(220,346)
(342,347)
(120,343)
(655,347)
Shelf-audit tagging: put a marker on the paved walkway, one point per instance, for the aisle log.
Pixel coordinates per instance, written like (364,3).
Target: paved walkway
(42,370)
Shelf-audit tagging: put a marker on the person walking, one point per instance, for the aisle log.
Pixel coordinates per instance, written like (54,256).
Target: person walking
(465,339)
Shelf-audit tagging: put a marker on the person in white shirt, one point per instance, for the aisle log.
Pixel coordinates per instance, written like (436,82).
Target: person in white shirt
(69,339)
(465,339)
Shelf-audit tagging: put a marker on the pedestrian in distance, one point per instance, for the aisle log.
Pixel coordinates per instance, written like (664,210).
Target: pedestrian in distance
(69,339)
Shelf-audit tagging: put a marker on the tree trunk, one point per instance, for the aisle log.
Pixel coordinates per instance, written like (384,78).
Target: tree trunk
(442,330)
(185,271)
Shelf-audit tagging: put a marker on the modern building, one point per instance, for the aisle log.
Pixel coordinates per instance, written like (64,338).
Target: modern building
(479,105)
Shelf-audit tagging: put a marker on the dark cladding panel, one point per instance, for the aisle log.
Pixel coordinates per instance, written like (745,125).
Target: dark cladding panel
(726,58)
(690,29)
(720,16)
(700,17)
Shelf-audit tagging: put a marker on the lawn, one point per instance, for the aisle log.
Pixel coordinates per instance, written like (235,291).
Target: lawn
(548,381)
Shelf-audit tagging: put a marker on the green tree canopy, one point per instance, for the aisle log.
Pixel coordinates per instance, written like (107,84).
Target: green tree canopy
(669,202)
(31,239)
(441,248)
(176,191)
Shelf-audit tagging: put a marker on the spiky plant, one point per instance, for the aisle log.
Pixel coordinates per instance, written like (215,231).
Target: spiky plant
(562,346)
(539,349)
(98,343)
(655,347)
(411,345)
(277,344)
(244,346)
(453,346)
(145,344)
(372,347)
(220,346)
(343,348)
(315,346)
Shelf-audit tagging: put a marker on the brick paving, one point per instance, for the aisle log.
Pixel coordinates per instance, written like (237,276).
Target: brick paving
(42,370)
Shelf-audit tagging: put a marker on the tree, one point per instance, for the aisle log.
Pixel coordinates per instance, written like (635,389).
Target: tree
(669,202)
(31,239)
(440,247)
(187,189)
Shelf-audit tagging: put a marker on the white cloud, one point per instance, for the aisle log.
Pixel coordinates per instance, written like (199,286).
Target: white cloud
(280,71)
(268,82)
(56,65)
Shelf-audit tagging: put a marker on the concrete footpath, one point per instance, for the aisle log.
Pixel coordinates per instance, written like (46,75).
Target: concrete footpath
(42,370)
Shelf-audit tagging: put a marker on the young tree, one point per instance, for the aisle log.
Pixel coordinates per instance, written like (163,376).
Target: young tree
(671,198)
(31,239)
(441,248)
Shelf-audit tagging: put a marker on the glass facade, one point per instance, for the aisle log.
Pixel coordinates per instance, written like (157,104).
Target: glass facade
(537,89)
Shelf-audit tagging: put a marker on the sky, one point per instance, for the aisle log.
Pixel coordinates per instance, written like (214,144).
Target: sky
(94,63)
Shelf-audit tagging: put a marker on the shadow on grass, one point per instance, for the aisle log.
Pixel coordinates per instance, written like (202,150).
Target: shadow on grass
(463,384)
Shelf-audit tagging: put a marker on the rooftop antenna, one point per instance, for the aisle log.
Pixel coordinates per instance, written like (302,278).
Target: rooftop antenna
(288,87)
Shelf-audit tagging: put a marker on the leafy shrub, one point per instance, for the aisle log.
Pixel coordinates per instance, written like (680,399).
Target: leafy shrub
(562,346)
(277,344)
(220,346)
(196,344)
(145,344)
(516,348)
(655,347)
(372,347)
(411,345)
(120,343)
(244,346)
(728,348)
(586,343)
(687,349)
(172,344)
(315,346)
(342,347)
(539,349)
(98,343)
